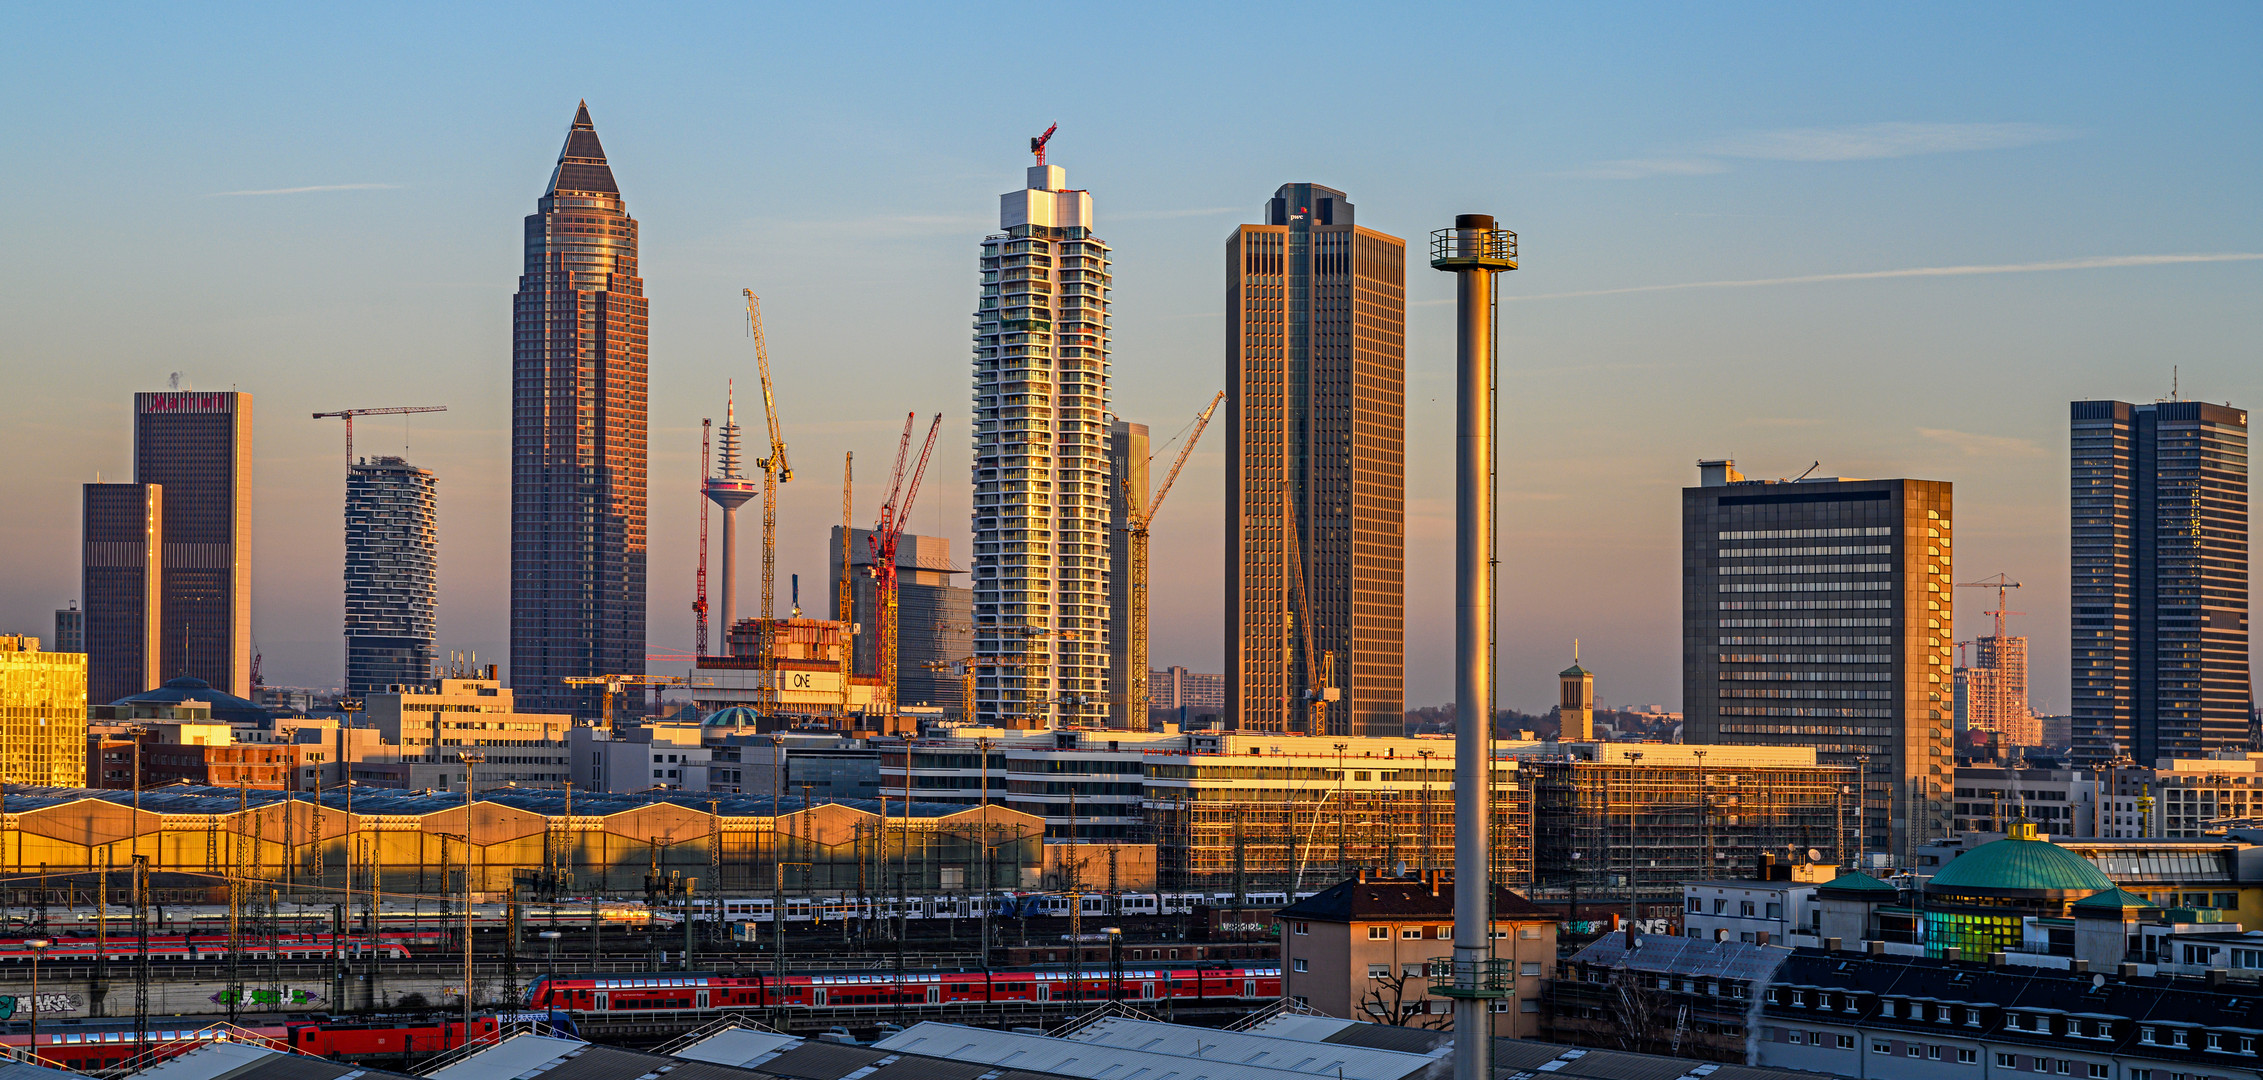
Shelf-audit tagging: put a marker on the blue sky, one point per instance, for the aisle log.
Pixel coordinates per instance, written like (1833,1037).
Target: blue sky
(323,207)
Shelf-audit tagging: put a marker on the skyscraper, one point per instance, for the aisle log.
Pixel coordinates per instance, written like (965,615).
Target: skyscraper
(42,714)
(1315,469)
(1127,467)
(577,437)
(1041,478)
(2159,580)
(121,557)
(392,575)
(70,629)
(197,446)
(1820,613)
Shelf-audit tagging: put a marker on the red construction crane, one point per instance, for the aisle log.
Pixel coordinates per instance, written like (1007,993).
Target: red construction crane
(1037,145)
(893,516)
(2003,584)
(699,598)
(349,414)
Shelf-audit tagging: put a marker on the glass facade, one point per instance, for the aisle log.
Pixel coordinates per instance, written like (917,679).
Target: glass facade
(1315,468)
(578,438)
(2158,580)
(42,714)
(197,447)
(124,530)
(392,575)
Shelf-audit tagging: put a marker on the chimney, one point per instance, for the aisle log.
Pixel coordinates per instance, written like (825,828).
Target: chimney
(1952,954)
(1999,959)
(2218,976)
(1433,886)
(1877,948)
(1363,875)
(2078,966)
(2126,971)
(1830,944)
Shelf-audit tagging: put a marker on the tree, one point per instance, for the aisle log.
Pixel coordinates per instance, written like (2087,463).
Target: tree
(1388,1001)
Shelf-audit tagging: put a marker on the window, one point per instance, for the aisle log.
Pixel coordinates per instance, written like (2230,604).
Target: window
(1696,906)
(1775,911)
(2099,1072)
(1411,933)
(1411,971)
(1529,968)
(1744,908)
(2145,1035)
(1877,1047)
(2065,1066)
(1720,906)
(1300,965)
(2215,1041)
(1966,1056)
(1846,1042)
(1378,971)
(1913,1050)
(1304,928)
(1375,933)
(2006,1061)
(1885,1008)
(2040,1064)
(1795,1037)
(1799,997)
(2180,1037)
(1933,1052)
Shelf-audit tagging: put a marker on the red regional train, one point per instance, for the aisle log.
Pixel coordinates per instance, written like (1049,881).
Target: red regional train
(697,993)
(392,945)
(107,1044)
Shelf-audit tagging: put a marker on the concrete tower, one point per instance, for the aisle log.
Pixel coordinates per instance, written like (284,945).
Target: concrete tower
(730,490)
(1041,480)
(1575,707)
(578,437)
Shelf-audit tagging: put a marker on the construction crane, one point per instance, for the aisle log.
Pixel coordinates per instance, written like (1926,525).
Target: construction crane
(348,416)
(2003,584)
(1037,145)
(1137,520)
(965,667)
(1318,694)
(775,471)
(699,597)
(614,684)
(893,516)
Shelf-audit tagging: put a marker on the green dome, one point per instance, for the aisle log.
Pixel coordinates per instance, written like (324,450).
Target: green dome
(735,716)
(2111,903)
(1858,884)
(2019,866)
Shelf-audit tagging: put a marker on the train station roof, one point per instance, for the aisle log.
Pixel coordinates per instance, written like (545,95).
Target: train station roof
(250,1061)
(729,1053)
(196,799)
(1255,1047)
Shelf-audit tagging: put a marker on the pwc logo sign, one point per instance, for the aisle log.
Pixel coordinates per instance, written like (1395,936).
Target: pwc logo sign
(186,402)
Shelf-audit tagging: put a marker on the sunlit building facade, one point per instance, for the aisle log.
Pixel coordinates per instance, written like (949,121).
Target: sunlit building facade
(578,437)
(392,574)
(42,714)
(1041,475)
(197,446)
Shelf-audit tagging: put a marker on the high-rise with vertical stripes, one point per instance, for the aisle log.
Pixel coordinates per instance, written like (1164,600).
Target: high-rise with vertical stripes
(196,446)
(577,437)
(1315,470)
(392,575)
(1041,476)
(2158,580)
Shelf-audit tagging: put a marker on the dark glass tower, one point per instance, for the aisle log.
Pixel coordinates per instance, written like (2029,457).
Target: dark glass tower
(122,560)
(577,437)
(2159,580)
(197,446)
(1315,468)
(392,568)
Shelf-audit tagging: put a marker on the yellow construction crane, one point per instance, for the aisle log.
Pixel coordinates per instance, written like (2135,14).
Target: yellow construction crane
(1317,694)
(775,471)
(1137,522)
(614,684)
(966,667)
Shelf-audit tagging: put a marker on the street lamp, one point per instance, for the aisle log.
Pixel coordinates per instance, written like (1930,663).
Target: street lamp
(38,947)
(552,937)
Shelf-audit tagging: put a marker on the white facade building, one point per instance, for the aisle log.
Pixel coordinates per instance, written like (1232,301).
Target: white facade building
(1041,505)
(667,756)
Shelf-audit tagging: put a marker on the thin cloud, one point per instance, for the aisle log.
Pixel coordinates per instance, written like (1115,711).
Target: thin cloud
(1867,142)
(2098,262)
(1976,445)
(304,190)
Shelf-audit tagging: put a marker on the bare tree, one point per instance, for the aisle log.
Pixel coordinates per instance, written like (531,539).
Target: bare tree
(1388,999)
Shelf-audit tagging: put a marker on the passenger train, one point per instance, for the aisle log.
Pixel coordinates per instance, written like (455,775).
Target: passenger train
(692,994)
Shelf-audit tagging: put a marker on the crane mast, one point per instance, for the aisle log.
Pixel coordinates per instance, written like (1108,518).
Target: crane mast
(699,595)
(1135,697)
(775,471)
(893,516)
(348,416)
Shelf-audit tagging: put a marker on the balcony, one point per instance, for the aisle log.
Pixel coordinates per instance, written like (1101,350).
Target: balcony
(1477,979)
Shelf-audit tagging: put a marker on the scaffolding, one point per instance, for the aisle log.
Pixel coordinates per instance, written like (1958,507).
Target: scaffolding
(1601,824)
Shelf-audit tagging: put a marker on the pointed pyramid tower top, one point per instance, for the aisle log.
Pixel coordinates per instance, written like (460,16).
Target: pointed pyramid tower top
(581,162)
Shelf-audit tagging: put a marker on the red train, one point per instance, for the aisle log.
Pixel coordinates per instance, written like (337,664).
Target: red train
(697,993)
(105,1044)
(396,945)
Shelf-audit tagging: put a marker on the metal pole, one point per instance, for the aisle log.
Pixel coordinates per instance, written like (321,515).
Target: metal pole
(1471,252)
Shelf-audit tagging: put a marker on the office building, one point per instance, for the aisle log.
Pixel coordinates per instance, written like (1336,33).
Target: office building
(1177,695)
(934,618)
(2159,580)
(392,575)
(429,729)
(1041,476)
(1819,613)
(122,554)
(1127,497)
(70,629)
(578,437)
(42,714)
(1315,470)
(197,446)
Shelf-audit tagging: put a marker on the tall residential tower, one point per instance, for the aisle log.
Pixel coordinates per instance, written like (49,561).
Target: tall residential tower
(1041,460)
(1315,469)
(2159,580)
(577,437)
(1820,613)
(392,575)
(197,446)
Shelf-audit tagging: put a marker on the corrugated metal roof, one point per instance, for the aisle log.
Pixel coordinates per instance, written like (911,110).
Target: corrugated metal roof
(738,1046)
(1255,1048)
(1071,1058)
(194,799)
(511,1057)
(1694,957)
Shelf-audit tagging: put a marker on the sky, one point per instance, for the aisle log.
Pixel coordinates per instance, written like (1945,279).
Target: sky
(1893,240)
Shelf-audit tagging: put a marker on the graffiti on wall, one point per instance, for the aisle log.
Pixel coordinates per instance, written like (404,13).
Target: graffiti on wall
(288,996)
(13,1006)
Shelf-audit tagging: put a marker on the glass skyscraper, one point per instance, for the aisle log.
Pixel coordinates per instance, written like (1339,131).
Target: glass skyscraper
(1041,477)
(1315,469)
(196,445)
(2159,580)
(392,575)
(577,437)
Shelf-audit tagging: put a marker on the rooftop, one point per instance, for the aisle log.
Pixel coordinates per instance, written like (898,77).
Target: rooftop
(2019,865)
(1364,898)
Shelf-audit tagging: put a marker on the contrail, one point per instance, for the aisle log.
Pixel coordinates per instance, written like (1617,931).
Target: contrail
(2096,262)
(304,190)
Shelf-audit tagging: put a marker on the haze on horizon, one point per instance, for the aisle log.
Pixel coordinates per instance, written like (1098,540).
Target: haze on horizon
(1895,241)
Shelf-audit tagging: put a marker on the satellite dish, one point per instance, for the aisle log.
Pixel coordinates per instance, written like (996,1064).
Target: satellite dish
(1814,856)
(2097,981)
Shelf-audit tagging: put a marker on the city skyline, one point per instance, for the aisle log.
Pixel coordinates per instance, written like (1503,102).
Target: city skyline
(1605,396)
